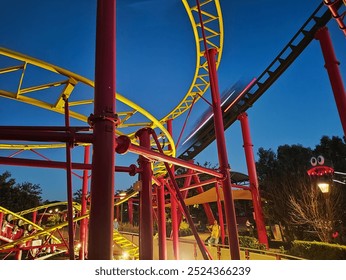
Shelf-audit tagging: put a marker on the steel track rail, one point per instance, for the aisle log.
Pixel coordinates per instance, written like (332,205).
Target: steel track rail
(278,66)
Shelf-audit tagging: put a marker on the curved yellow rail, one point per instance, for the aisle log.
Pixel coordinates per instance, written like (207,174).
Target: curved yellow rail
(66,83)
(213,25)
(79,89)
(35,226)
(40,233)
(75,205)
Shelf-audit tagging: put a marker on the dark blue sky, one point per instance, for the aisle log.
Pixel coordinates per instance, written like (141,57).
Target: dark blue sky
(156,63)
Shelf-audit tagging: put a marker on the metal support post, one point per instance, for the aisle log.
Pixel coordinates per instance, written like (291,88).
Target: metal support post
(102,180)
(34,216)
(1,219)
(206,206)
(84,222)
(161,214)
(219,209)
(332,66)
(130,210)
(146,214)
(175,225)
(223,159)
(174,208)
(251,167)
(69,187)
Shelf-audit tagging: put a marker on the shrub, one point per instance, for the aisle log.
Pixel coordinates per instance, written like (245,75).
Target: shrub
(317,250)
(250,242)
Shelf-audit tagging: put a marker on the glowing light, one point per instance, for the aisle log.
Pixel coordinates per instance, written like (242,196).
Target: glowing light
(125,255)
(324,187)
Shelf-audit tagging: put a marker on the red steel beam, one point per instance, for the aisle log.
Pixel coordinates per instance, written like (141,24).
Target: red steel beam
(161,215)
(254,187)
(332,66)
(146,207)
(59,164)
(223,159)
(102,180)
(335,14)
(84,222)
(69,186)
(44,136)
(176,161)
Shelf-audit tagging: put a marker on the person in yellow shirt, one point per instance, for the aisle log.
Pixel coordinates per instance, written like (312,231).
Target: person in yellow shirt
(214,233)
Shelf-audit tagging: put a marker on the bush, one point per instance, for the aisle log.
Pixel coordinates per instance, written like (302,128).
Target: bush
(317,250)
(250,242)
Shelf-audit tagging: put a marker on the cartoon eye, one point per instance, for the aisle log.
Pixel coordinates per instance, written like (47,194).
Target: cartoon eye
(320,160)
(313,161)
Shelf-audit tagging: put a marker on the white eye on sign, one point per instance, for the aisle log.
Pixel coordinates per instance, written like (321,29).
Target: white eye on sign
(320,160)
(313,161)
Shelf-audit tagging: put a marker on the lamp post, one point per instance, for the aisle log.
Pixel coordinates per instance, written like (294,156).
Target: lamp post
(322,177)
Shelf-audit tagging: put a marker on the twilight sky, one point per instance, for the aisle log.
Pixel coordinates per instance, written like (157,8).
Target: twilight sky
(155,67)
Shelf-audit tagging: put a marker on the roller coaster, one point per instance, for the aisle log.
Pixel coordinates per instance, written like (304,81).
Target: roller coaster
(71,95)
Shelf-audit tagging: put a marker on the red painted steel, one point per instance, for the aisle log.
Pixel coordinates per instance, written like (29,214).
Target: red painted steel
(102,180)
(58,164)
(161,157)
(9,133)
(1,219)
(130,210)
(69,146)
(174,207)
(161,215)
(223,160)
(206,206)
(332,66)
(200,244)
(84,222)
(34,216)
(184,191)
(251,167)
(335,14)
(175,224)
(219,209)
(145,195)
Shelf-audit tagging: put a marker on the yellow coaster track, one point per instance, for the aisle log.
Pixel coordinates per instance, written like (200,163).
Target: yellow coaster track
(61,83)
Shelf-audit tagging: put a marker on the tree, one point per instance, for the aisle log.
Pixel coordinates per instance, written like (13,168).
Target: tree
(315,211)
(286,187)
(18,197)
(279,175)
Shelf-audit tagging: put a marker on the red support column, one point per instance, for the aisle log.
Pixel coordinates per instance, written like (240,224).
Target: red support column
(130,210)
(69,187)
(332,66)
(1,219)
(34,216)
(117,214)
(187,183)
(206,206)
(146,214)
(219,209)
(102,180)
(175,225)
(251,167)
(174,208)
(84,222)
(223,159)
(161,215)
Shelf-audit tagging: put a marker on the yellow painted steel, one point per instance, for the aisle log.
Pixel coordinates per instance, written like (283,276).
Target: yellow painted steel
(200,81)
(35,226)
(42,232)
(68,81)
(126,245)
(55,204)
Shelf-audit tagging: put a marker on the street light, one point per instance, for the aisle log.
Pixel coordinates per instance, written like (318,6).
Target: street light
(321,174)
